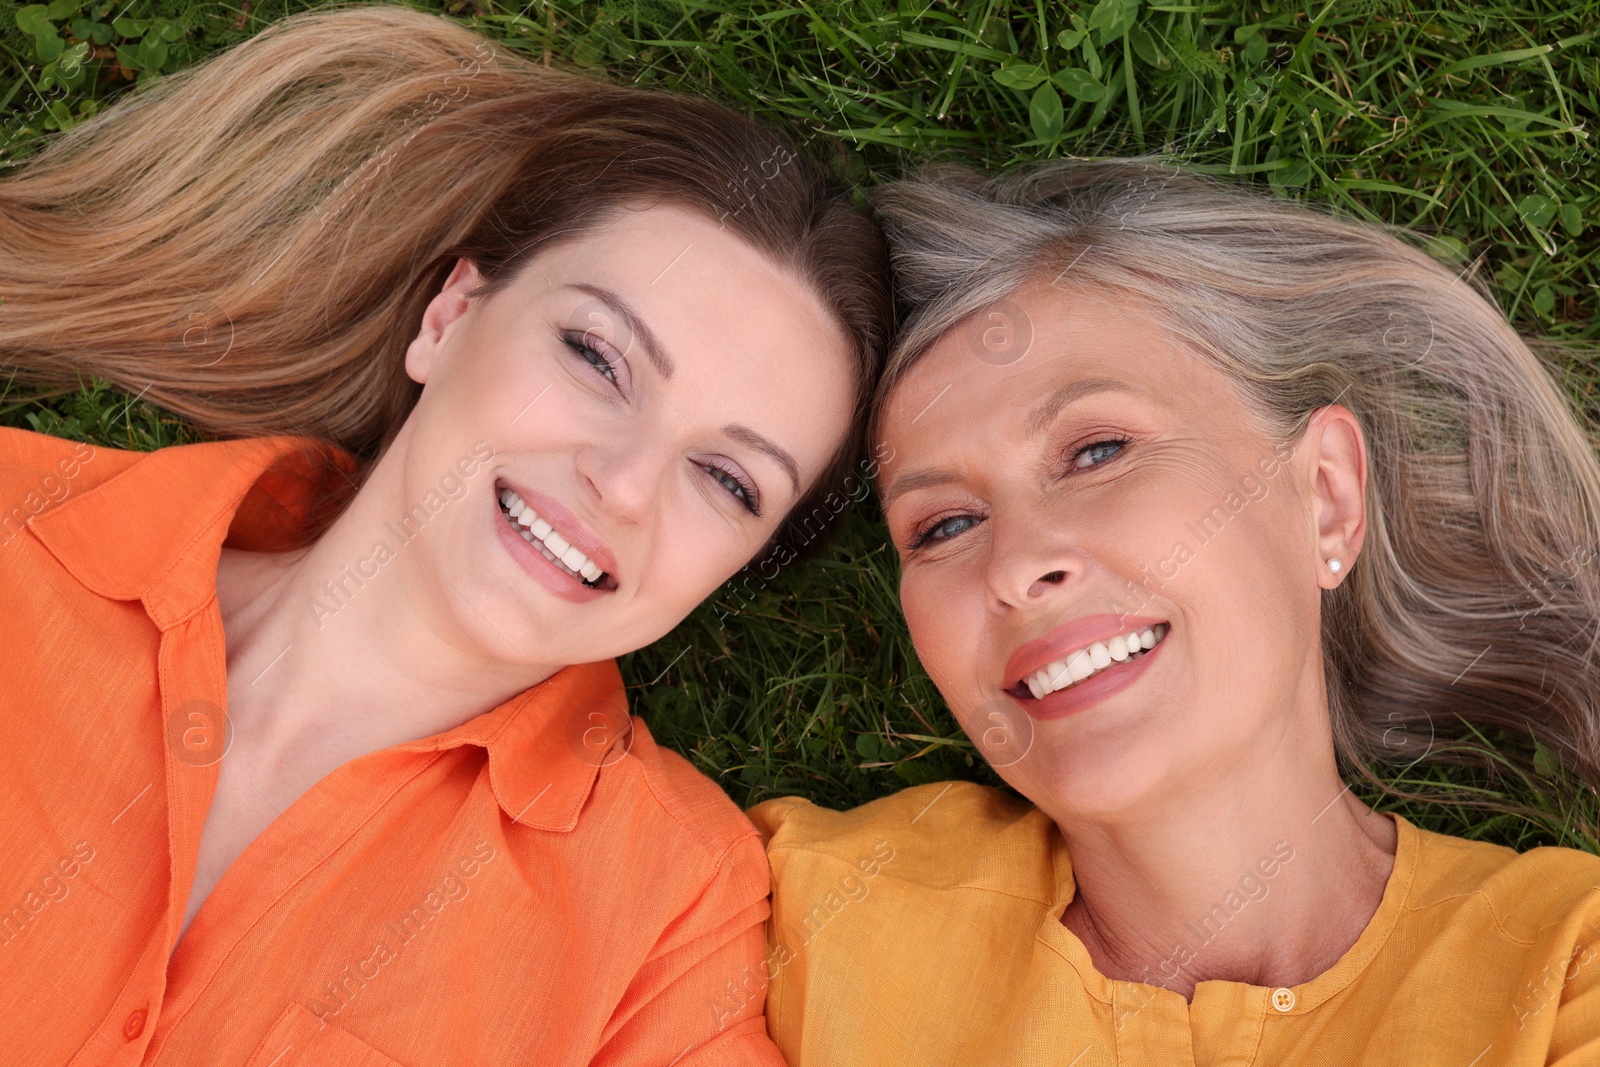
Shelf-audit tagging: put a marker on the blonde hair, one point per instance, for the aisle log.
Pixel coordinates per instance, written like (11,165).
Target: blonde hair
(251,242)
(1464,615)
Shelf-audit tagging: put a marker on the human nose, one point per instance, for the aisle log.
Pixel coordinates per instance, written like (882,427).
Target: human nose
(1032,561)
(624,476)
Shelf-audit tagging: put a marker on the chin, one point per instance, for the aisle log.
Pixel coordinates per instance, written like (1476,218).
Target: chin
(1095,784)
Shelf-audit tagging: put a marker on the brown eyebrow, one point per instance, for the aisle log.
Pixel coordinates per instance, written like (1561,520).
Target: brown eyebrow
(636,327)
(1038,421)
(745,435)
(1043,415)
(926,478)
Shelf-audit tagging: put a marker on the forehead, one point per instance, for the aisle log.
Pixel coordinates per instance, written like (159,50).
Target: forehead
(687,269)
(1005,360)
(994,378)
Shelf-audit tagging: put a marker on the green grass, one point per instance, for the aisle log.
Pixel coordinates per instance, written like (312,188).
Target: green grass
(1475,125)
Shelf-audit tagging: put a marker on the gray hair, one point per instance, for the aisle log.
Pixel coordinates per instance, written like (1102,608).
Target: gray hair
(1467,615)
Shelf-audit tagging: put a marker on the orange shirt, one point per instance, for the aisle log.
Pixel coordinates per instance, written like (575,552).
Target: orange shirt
(511,891)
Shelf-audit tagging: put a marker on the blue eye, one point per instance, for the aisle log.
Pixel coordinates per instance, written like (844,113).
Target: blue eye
(947,529)
(944,530)
(742,491)
(579,343)
(1098,452)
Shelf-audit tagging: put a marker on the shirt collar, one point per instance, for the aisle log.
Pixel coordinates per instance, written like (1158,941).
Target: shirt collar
(547,744)
(154,533)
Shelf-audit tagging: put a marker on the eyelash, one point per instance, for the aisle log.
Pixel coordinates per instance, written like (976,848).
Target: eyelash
(1120,442)
(922,536)
(741,490)
(579,343)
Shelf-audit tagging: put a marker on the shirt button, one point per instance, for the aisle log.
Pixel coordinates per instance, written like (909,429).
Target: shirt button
(1283,999)
(134,1026)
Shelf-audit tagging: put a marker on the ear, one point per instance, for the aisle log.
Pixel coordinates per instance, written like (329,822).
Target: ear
(1337,452)
(449,305)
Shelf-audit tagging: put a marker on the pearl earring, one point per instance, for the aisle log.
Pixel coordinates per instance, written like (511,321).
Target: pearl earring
(1334,565)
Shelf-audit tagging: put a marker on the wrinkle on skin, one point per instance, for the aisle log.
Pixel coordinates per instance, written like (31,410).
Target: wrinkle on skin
(1132,516)
(1167,789)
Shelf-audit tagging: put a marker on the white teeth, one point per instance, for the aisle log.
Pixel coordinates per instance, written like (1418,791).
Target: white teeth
(1080,666)
(1086,661)
(1056,676)
(542,536)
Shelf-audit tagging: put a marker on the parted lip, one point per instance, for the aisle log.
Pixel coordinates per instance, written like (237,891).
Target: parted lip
(567,525)
(1068,638)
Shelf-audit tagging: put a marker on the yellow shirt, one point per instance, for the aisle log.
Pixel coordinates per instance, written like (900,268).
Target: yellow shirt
(924,929)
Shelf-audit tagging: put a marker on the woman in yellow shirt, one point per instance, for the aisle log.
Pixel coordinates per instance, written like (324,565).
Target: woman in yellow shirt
(1202,498)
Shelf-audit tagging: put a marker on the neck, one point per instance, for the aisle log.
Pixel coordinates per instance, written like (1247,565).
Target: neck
(1266,881)
(325,665)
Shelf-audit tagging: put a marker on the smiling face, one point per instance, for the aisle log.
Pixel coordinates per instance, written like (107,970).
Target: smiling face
(1111,483)
(657,395)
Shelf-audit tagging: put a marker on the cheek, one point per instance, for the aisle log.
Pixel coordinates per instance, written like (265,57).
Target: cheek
(919,600)
(1175,526)
(494,369)
(944,618)
(1256,565)
(1163,515)
(1247,608)
(695,553)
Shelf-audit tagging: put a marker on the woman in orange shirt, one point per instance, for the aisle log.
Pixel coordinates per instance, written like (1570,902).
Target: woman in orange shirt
(1203,502)
(318,754)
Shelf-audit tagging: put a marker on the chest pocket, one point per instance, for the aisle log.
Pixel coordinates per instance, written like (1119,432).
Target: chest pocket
(300,1039)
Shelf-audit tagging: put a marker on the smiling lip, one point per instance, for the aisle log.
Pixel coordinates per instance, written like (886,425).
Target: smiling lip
(1093,689)
(567,525)
(1069,638)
